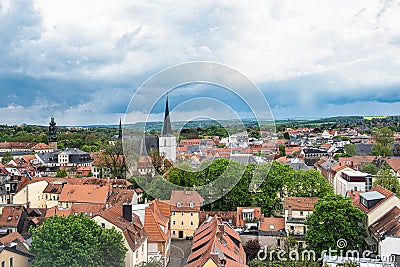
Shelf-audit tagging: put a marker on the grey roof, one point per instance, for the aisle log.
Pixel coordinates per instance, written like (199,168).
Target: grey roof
(75,156)
(364,149)
(298,165)
(373,195)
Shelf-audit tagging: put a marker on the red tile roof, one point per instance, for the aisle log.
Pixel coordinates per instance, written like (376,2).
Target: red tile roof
(216,240)
(59,212)
(84,194)
(355,197)
(184,198)
(154,219)
(133,232)
(11,215)
(273,224)
(11,238)
(300,203)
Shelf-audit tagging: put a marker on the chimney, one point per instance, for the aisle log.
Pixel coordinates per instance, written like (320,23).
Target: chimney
(127,212)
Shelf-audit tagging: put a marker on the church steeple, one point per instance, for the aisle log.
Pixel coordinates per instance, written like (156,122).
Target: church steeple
(52,137)
(167,141)
(167,131)
(120,130)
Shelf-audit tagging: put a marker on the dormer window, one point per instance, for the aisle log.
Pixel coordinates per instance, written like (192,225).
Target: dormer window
(179,204)
(191,205)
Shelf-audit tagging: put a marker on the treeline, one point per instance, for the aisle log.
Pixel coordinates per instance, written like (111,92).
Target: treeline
(87,139)
(252,185)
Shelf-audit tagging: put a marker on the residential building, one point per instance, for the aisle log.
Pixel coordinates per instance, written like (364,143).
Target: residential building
(155,216)
(135,237)
(248,217)
(12,219)
(185,209)
(83,194)
(374,203)
(354,181)
(30,193)
(386,234)
(216,244)
(296,211)
(14,251)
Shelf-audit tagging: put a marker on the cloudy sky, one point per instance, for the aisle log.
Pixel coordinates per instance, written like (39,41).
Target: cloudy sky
(83,60)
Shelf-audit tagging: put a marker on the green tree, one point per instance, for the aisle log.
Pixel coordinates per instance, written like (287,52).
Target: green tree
(370,168)
(61,173)
(286,135)
(350,149)
(282,150)
(384,139)
(76,241)
(335,218)
(309,183)
(387,179)
(251,248)
(7,157)
(113,159)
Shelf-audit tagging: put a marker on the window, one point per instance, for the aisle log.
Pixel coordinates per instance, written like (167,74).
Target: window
(278,242)
(11,262)
(191,205)
(301,213)
(173,222)
(191,223)
(173,232)
(191,214)
(181,222)
(179,204)
(173,213)
(103,225)
(142,248)
(137,254)
(182,214)
(3,264)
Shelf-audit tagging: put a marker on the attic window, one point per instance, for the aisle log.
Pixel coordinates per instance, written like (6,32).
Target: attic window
(191,205)
(9,218)
(179,204)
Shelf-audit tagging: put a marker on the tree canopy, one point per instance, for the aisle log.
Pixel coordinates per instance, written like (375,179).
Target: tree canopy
(335,218)
(387,179)
(384,139)
(76,241)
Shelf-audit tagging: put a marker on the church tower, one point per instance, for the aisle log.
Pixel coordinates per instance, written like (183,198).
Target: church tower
(52,134)
(167,142)
(120,130)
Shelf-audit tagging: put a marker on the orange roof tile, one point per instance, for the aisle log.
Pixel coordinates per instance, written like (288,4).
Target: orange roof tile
(154,219)
(11,215)
(184,198)
(355,197)
(213,240)
(11,238)
(272,224)
(300,203)
(84,194)
(133,232)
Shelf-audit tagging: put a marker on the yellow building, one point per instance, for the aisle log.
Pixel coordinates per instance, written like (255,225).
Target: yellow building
(297,209)
(185,210)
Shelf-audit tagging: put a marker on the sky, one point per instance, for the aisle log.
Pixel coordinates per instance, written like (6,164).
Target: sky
(83,61)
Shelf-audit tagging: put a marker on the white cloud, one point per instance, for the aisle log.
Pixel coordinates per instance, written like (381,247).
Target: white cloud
(346,48)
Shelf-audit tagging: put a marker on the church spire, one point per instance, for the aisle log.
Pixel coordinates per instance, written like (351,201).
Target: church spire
(167,131)
(120,130)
